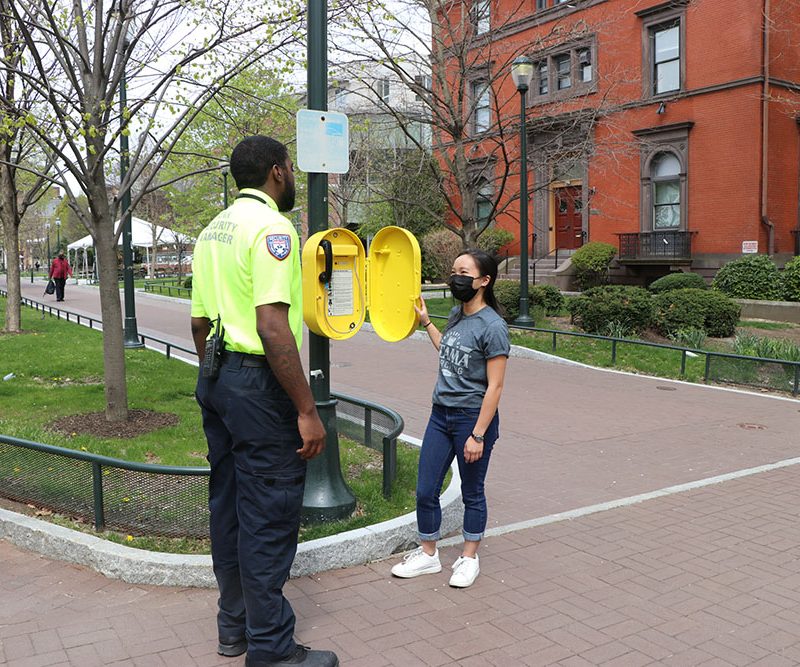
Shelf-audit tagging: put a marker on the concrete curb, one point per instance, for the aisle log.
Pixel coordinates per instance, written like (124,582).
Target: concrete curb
(138,566)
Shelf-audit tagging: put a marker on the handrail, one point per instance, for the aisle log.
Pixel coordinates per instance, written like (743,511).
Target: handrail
(99,462)
(709,354)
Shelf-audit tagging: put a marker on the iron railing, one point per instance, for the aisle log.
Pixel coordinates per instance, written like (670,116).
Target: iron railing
(656,245)
(159,500)
(725,367)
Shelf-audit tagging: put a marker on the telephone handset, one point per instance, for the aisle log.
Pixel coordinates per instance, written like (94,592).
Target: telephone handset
(327,249)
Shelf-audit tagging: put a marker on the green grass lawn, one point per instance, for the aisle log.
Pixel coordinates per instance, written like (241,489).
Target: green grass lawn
(58,371)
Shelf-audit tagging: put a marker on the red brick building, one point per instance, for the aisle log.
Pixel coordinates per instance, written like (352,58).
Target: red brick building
(669,129)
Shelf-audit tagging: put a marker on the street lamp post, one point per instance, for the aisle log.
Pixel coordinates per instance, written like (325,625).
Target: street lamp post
(131,335)
(326,496)
(47,229)
(58,237)
(225,168)
(522,73)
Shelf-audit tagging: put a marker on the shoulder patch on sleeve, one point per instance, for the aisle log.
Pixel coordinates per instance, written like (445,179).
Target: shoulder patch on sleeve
(279,245)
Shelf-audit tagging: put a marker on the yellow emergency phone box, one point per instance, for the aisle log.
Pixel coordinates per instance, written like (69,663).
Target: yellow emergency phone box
(340,283)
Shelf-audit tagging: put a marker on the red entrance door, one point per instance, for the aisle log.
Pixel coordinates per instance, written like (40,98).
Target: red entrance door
(569,227)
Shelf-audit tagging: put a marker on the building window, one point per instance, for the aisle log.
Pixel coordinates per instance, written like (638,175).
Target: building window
(585,65)
(663,48)
(424,81)
(384,89)
(546,4)
(564,73)
(481,15)
(481,102)
(666,179)
(666,57)
(542,72)
(483,202)
(664,160)
(563,66)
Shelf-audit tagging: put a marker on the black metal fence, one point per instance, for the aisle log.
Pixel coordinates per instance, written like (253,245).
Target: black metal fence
(659,244)
(723,367)
(156,499)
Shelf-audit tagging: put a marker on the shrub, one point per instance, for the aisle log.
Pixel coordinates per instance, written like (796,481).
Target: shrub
(493,239)
(791,280)
(750,277)
(507,294)
(768,348)
(188,282)
(598,307)
(439,250)
(694,338)
(591,262)
(548,297)
(706,310)
(677,281)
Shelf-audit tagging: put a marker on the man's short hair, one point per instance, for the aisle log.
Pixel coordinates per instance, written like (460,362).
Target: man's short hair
(252,159)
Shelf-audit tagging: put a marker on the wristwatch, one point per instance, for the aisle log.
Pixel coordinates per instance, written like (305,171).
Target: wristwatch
(477,438)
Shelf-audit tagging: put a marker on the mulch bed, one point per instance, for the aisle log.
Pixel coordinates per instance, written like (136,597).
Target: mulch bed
(94,423)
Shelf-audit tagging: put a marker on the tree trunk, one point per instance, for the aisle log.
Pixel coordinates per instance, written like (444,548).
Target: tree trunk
(113,341)
(13,322)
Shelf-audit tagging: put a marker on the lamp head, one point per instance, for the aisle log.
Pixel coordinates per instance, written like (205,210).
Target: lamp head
(522,72)
(224,167)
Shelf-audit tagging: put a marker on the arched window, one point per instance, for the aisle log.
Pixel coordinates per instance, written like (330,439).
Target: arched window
(665,175)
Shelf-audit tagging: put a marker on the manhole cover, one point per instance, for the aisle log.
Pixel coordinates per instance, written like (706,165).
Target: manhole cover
(663,388)
(752,427)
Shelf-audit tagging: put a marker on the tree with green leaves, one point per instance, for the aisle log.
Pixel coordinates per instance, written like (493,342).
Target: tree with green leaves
(175,56)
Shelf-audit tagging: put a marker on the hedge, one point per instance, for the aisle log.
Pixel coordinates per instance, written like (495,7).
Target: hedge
(630,308)
(750,277)
(706,310)
(677,281)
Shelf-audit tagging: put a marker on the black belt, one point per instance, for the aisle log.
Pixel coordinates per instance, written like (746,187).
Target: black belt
(242,359)
(294,481)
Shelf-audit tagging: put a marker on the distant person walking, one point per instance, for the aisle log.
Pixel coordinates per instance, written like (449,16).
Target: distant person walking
(60,270)
(473,351)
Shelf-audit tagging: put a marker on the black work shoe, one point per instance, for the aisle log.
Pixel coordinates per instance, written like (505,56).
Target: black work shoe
(230,649)
(301,656)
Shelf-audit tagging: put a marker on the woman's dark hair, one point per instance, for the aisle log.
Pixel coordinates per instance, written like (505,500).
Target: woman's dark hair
(252,159)
(487,266)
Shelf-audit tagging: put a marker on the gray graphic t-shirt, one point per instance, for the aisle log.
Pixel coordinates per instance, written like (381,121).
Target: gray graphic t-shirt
(463,353)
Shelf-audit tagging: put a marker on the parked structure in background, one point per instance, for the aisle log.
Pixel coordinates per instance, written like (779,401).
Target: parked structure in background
(669,129)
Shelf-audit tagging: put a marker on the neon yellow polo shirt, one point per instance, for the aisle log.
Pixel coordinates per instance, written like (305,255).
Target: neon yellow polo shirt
(248,256)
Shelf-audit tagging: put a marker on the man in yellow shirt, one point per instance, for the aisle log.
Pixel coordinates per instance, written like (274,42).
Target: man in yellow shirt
(259,415)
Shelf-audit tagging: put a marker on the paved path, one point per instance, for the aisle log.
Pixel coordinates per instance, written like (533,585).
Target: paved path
(702,576)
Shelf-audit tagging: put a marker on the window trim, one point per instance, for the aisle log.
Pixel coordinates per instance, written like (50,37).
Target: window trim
(671,12)
(673,139)
(577,85)
(481,79)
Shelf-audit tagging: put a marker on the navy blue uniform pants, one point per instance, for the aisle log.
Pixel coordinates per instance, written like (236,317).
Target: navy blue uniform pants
(255,498)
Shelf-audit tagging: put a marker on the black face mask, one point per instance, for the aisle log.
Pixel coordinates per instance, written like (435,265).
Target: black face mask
(461,287)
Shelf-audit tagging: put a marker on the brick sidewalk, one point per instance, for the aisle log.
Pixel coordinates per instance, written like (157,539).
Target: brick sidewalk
(706,577)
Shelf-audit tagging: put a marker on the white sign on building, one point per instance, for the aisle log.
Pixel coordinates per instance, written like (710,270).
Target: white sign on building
(749,247)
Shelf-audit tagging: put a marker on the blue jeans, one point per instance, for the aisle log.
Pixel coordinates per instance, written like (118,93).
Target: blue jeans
(445,437)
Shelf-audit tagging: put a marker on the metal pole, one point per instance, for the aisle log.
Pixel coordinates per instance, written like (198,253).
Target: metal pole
(58,235)
(131,335)
(225,187)
(327,497)
(523,319)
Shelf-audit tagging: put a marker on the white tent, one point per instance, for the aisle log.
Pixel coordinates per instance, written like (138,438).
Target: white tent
(141,236)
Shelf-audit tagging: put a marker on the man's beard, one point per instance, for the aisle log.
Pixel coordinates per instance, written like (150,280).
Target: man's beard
(286,200)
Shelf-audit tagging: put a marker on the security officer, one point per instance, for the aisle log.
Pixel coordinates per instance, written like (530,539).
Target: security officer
(259,415)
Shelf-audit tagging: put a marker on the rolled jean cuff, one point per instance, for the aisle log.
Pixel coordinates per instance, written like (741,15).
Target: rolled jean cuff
(429,537)
(472,537)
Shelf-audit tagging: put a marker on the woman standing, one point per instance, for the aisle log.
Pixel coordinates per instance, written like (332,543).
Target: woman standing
(473,351)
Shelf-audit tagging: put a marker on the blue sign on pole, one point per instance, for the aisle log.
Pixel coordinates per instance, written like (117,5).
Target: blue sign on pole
(323,142)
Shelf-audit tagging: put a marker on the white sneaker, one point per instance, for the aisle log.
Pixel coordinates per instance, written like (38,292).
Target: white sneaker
(417,563)
(465,572)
